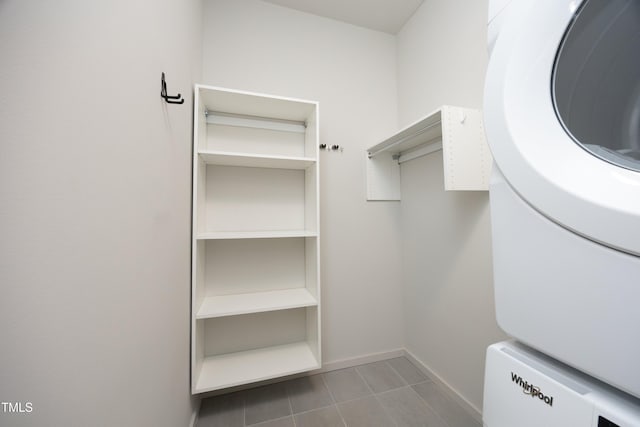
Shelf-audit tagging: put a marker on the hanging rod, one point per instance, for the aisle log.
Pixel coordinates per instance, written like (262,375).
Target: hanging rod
(421,150)
(227,119)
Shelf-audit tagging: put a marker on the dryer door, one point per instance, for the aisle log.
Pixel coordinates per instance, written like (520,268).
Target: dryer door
(562,113)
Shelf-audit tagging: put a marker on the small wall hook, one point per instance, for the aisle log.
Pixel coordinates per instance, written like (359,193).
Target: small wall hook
(169,98)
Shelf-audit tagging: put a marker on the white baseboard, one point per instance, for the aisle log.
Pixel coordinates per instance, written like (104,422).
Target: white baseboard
(475,412)
(360,360)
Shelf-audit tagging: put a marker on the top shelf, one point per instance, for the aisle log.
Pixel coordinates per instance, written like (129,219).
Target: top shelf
(235,102)
(428,129)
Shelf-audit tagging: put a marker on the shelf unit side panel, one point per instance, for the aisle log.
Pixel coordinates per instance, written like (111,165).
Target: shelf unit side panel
(254,141)
(197,355)
(254,265)
(200,124)
(465,153)
(486,158)
(232,334)
(199,273)
(312,134)
(312,201)
(197,267)
(312,263)
(199,194)
(254,199)
(313,332)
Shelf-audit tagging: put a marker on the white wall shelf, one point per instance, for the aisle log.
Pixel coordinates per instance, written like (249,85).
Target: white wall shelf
(255,302)
(457,131)
(234,369)
(255,259)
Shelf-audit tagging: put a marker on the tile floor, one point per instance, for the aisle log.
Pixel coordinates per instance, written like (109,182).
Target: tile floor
(391,393)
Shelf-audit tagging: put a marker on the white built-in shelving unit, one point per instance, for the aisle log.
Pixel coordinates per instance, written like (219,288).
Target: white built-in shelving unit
(457,131)
(255,259)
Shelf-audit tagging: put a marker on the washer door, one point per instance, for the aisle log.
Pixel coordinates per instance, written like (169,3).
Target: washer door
(562,113)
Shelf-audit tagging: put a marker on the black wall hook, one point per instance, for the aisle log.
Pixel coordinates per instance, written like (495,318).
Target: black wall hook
(170,99)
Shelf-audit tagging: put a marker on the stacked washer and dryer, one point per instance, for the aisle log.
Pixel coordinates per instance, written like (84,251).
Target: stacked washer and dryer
(562,117)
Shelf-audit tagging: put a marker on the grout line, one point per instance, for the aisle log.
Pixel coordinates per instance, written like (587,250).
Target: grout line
(324,381)
(371,393)
(244,408)
(423,400)
(344,422)
(375,396)
(286,389)
(396,372)
(268,421)
(426,402)
(333,399)
(363,380)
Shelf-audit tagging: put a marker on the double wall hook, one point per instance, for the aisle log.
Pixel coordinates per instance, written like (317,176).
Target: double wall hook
(169,98)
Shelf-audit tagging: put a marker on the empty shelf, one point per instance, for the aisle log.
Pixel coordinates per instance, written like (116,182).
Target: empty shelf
(244,367)
(255,160)
(213,235)
(230,305)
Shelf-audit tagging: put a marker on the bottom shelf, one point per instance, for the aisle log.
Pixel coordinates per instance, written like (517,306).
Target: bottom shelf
(244,367)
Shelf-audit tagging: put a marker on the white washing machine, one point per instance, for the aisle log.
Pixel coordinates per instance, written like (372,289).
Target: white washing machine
(562,117)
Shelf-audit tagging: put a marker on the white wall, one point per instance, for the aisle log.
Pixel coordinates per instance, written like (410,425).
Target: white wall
(447,274)
(95,211)
(257,46)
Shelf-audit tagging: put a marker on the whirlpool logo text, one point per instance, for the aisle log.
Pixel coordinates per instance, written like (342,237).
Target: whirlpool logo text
(532,390)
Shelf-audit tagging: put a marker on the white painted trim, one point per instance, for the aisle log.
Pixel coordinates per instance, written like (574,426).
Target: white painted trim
(471,409)
(360,360)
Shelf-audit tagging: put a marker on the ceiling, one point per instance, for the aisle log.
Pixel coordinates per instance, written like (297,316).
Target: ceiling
(388,16)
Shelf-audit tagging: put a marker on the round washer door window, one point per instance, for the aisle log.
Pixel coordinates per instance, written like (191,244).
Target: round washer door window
(596,81)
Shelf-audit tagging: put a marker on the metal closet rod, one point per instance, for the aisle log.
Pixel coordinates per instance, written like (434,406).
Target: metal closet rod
(228,119)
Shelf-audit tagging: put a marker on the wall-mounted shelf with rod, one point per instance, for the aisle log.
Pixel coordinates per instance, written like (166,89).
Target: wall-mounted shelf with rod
(457,131)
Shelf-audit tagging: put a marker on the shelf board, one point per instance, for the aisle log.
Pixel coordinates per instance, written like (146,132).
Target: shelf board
(278,234)
(254,104)
(231,305)
(224,158)
(423,131)
(229,370)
